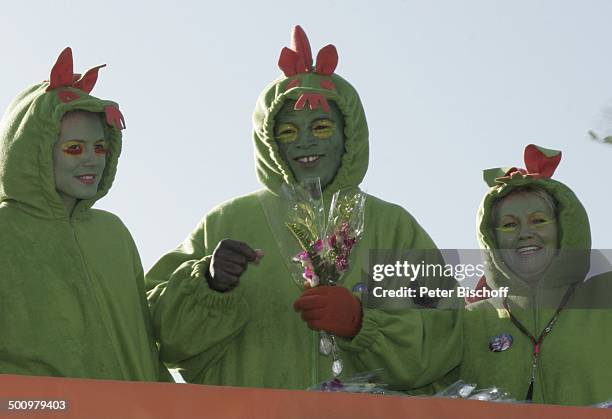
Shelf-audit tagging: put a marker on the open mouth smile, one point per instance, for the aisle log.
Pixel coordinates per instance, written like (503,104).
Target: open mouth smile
(526,251)
(308,161)
(87,179)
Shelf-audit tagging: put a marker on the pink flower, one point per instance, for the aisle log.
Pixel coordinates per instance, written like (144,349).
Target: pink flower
(308,272)
(318,246)
(342,264)
(302,257)
(332,240)
(349,242)
(310,276)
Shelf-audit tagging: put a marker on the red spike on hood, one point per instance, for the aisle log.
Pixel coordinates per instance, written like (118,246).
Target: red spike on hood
(537,162)
(61,73)
(298,59)
(87,82)
(327,60)
(300,44)
(114,117)
(287,62)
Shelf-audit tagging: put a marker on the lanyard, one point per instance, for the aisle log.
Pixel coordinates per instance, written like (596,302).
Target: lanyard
(537,342)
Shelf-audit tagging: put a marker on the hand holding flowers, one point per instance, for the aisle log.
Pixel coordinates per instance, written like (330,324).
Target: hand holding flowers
(332,309)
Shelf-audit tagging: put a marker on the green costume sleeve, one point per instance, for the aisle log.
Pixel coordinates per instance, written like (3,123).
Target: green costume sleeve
(415,346)
(191,319)
(407,345)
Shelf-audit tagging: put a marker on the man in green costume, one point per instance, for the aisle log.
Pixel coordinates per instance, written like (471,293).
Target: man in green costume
(71,282)
(227,321)
(549,340)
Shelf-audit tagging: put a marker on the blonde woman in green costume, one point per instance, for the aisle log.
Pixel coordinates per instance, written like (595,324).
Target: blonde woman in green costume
(228,321)
(71,282)
(549,340)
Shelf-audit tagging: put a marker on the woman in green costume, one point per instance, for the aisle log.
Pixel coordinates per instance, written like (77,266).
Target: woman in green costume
(223,323)
(549,340)
(72,298)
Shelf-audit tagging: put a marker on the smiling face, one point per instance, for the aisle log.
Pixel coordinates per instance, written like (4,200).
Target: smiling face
(526,233)
(311,142)
(79,157)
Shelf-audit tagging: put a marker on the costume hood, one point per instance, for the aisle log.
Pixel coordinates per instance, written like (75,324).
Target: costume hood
(572,263)
(311,86)
(31,126)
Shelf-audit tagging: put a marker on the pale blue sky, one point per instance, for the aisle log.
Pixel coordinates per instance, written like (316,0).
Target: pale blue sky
(449,88)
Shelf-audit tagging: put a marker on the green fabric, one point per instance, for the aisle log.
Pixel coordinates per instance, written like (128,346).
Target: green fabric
(272,171)
(72,287)
(490,175)
(251,336)
(573,368)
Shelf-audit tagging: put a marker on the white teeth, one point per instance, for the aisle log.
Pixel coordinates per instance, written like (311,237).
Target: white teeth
(86,177)
(527,249)
(308,159)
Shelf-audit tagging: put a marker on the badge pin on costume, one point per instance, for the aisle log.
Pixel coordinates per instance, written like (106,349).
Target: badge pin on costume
(501,342)
(359,288)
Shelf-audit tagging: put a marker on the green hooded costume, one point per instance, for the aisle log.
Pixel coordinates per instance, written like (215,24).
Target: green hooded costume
(251,336)
(71,285)
(573,361)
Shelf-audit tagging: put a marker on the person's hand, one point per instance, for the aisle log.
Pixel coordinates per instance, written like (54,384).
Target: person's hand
(229,261)
(330,308)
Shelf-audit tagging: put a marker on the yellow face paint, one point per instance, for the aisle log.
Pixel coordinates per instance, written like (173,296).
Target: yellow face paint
(78,159)
(73,148)
(542,222)
(537,220)
(286,133)
(323,129)
(310,141)
(101,147)
(507,228)
(526,234)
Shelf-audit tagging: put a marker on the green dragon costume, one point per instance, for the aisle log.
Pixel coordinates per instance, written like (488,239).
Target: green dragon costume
(71,285)
(251,336)
(571,359)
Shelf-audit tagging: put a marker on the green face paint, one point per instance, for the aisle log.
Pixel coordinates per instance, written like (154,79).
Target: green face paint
(311,142)
(526,232)
(79,157)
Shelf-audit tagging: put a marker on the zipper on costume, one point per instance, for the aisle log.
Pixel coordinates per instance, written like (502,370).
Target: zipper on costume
(92,290)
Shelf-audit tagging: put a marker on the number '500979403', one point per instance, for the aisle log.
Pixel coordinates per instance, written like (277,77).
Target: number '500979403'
(37,405)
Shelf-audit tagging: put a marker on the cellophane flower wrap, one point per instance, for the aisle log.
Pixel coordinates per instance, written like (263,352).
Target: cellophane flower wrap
(326,246)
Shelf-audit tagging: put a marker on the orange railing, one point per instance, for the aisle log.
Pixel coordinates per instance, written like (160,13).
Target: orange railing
(117,399)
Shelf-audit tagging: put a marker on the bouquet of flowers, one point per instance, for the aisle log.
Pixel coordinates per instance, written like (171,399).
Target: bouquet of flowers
(326,245)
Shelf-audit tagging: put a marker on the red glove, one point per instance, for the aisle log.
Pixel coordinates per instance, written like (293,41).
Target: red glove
(330,308)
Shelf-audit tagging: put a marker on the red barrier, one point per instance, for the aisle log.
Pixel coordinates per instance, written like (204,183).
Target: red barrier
(119,399)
